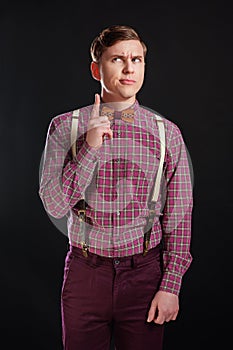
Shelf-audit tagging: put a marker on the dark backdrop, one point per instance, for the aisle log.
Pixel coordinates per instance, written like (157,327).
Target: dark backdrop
(45,72)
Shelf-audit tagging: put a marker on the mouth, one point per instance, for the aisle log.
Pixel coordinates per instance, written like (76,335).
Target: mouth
(127,81)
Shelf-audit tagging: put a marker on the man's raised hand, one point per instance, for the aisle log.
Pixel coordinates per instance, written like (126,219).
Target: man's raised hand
(98,126)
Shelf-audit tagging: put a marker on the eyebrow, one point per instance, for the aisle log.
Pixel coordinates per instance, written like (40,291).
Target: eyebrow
(123,56)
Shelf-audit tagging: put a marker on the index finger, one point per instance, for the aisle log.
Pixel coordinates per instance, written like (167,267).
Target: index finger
(96,107)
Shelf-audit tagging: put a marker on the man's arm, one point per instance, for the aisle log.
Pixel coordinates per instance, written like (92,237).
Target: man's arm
(63,179)
(176,228)
(177,215)
(77,175)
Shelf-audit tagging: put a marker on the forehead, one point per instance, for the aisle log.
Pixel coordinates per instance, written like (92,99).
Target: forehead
(125,48)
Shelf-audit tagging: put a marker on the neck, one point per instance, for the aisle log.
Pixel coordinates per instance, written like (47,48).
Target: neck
(118,105)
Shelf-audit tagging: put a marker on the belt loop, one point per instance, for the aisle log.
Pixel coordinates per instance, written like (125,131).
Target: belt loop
(94,259)
(134,262)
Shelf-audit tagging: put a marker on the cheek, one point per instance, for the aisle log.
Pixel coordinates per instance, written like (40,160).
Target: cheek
(141,78)
(141,73)
(111,80)
(108,76)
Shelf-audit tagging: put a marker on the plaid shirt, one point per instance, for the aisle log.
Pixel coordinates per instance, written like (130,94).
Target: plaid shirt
(116,181)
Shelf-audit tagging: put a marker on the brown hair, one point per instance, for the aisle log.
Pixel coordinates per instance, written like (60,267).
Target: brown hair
(109,36)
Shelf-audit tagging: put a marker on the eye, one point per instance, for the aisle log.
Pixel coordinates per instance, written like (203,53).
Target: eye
(117,59)
(136,59)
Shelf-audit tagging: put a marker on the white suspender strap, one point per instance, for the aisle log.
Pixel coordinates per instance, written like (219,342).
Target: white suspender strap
(74,129)
(161,129)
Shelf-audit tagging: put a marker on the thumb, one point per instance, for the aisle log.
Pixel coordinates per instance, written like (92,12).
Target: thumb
(152,312)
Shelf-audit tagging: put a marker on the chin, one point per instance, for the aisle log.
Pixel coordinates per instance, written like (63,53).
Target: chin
(128,94)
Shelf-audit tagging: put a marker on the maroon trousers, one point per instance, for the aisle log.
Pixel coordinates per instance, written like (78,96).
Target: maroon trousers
(101,294)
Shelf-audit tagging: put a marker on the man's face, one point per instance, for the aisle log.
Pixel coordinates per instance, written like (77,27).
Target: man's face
(121,71)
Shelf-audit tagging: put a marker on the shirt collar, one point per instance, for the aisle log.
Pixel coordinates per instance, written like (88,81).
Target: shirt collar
(135,106)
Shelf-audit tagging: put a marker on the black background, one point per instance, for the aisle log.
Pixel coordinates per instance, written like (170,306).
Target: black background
(44,72)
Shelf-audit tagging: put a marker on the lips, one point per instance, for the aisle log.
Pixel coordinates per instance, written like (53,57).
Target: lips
(127,81)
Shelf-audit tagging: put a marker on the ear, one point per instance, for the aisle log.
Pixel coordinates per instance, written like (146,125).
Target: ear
(95,71)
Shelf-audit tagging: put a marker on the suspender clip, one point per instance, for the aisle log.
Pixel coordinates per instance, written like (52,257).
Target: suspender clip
(145,247)
(85,249)
(81,214)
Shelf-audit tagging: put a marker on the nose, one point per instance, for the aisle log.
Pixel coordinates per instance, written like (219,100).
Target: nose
(128,67)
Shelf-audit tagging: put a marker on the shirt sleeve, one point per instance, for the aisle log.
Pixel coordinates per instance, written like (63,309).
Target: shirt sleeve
(78,173)
(63,179)
(177,215)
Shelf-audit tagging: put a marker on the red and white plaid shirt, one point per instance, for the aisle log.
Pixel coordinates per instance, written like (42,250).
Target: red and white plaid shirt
(116,181)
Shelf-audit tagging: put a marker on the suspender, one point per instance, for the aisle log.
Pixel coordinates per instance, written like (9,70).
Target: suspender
(74,129)
(162,138)
(154,197)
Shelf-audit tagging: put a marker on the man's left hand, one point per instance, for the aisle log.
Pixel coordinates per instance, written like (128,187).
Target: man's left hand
(164,307)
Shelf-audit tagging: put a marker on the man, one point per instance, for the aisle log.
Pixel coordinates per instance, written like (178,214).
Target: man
(112,278)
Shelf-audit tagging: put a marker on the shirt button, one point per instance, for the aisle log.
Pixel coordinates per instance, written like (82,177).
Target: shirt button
(119,133)
(118,213)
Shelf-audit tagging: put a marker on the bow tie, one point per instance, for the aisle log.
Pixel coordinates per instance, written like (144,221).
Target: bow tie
(127,115)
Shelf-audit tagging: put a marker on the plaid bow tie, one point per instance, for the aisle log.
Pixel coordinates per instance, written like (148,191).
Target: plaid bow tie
(127,115)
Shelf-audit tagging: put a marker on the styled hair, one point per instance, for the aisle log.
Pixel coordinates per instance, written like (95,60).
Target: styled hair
(109,36)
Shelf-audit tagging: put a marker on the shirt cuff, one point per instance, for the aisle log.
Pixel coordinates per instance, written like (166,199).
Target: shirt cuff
(174,268)
(171,283)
